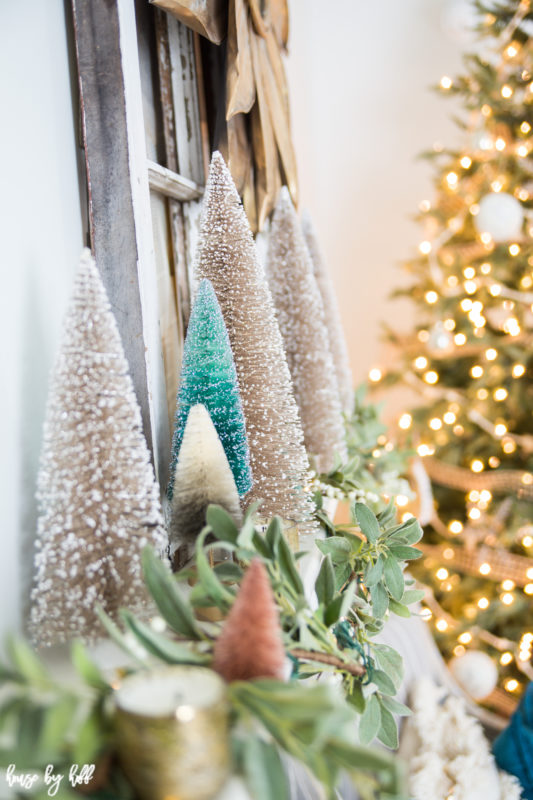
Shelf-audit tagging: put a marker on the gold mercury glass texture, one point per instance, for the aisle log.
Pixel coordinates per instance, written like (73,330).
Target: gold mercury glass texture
(172,732)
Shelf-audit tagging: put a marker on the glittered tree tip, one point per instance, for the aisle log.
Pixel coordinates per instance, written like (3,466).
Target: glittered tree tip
(250,645)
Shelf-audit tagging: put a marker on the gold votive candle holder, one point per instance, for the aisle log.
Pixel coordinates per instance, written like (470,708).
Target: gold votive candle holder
(172,732)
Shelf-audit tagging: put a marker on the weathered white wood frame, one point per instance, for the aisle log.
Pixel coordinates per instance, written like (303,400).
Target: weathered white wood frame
(119,181)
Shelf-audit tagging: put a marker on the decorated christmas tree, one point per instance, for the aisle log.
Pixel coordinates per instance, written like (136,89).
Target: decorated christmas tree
(208,377)
(332,318)
(470,361)
(203,476)
(98,499)
(227,257)
(300,314)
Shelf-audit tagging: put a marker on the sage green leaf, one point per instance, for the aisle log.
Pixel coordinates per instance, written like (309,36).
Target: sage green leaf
(383,682)
(352,756)
(374,572)
(318,499)
(288,566)
(27,662)
(161,646)
(264,770)
(399,608)
(214,588)
(273,535)
(246,535)
(410,531)
(380,600)
(404,553)
(367,522)
(86,667)
(356,698)
(55,730)
(337,546)
(221,524)
(325,582)
(343,573)
(340,605)
(388,514)
(173,607)
(370,722)
(389,661)
(90,739)
(412,596)
(228,571)
(393,577)
(388,731)
(114,633)
(395,707)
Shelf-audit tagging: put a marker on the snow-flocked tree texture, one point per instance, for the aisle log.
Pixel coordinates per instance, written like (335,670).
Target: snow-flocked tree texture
(98,498)
(203,476)
(227,257)
(332,317)
(300,316)
(208,377)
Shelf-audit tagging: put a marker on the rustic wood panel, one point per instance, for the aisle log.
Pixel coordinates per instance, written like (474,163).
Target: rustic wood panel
(119,203)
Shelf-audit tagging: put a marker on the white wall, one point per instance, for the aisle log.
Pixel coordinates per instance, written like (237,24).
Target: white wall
(40,243)
(359,76)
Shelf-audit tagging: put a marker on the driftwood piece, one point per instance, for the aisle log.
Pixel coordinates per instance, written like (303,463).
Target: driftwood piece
(240,86)
(206,17)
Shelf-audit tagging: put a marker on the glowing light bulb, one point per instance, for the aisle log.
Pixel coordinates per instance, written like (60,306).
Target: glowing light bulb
(435,424)
(500,429)
(482,394)
(496,186)
(425,247)
(405,421)
(441,625)
(491,354)
(452,180)
(465,638)
(466,162)
(486,238)
(506,658)
(449,324)
(522,150)
(500,394)
(485,568)
(474,209)
(476,371)
(485,268)
(375,375)
(528,588)
(469,272)
(431,297)
(431,376)
(459,339)
(458,430)
(446,82)
(494,462)
(455,526)
(483,603)
(466,304)
(474,514)
(527,480)
(442,574)
(452,281)
(402,500)
(508,446)
(421,362)
(424,450)
(470,287)
(514,249)
(449,418)
(526,282)
(499,144)
(525,127)
(511,685)
(529,573)
(506,91)
(527,541)
(512,50)
(423,336)
(508,585)
(448,553)
(507,599)
(477,465)
(407,515)
(424,206)
(486,110)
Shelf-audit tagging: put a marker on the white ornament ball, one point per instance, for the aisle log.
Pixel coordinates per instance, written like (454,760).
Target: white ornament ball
(440,340)
(501,215)
(475,672)
(234,789)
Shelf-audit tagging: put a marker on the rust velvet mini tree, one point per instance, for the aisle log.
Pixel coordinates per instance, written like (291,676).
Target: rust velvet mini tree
(250,645)
(98,499)
(300,316)
(332,318)
(227,257)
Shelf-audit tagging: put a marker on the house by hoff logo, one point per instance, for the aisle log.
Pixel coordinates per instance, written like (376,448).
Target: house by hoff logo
(77,775)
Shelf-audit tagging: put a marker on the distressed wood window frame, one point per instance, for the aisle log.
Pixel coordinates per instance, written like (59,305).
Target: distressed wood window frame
(121,177)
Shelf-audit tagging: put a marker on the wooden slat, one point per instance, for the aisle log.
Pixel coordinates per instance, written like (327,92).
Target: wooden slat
(171,184)
(119,202)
